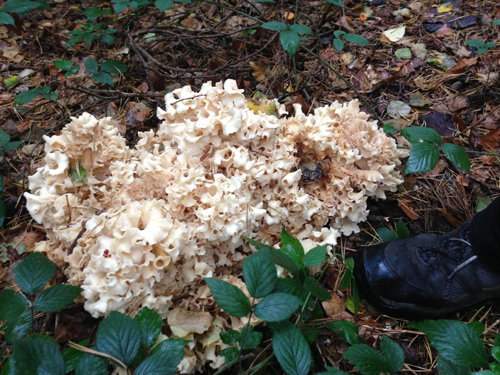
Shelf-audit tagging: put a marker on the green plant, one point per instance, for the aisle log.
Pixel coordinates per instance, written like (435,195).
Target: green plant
(481,45)
(426,144)
(91,66)
(162,5)
(340,36)
(5,145)
(90,32)
(126,342)
(289,36)
(387,235)
(20,7)
(30,95)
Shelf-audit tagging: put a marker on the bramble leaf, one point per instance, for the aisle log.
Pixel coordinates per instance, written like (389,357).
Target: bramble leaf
(316,289)
(230,298)
(457,155)
(57,297)
(315,256)
(274,26)
(113,67)
(150,323)
(90,364)
(37,355)
(290,41)
(260,273)
(355,39)
(402,230)
(291,349)
(64,64)
(416,133)
(277,306)
(163,5)
(102,77)
(33,273)
(12,305)
(423,157)
(301,29)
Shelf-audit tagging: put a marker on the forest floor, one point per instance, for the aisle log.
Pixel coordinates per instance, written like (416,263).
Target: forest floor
(416,70)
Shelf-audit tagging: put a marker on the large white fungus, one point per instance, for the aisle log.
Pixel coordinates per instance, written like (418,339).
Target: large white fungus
(147,223)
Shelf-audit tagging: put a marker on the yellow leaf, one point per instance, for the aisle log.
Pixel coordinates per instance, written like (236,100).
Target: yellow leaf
(394,35)
(265,106)
(445,8)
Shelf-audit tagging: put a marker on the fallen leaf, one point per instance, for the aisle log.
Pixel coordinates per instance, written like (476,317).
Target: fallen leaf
(401,12)
(418,100)
(441,165)
(444,62)
(143,87)
(191,23)
(419,50)
(408,208)
(403,53)
(183,322)
(398,109)
(263,105)
(29,239)
(395,35)
(445,8)
(450,218)
(444,31)
(457,103)
(440,122)
(259,70)
(335,306)
(490,140)
(462,180)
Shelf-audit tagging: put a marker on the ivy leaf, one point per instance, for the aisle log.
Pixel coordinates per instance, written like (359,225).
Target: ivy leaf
(457,155)
(90,364)
(64,64)
(301,29)
(12,305)
(25,97)
(102,77)
(423,157)
(119,336)
(260,273)
(150,323)
(229,297)
(274,26)
(36,355)
(315,256)
(290,41)
(316,289)
(416,133)
(113,67)
(277,306)
(355,39)
(163,5)
(57,297)
(291,349)
(33,273)
(455,341)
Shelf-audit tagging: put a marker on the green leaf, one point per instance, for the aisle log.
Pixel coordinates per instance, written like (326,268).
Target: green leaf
(4,138)
(423,157)
(150,323)
(416,133)
(74,40)
(277,306)
(446,367)
(333,371)
(37,356)
(252,339)
(103,78)
(455,341)
(258,245)
(3,212)
(25,97)
(457,155)
(314,287)
(33,273)
(386,234)
(230,337)
(367,360)
(290,41)
(119,336)
(346,279)
(291,349)
(388,128)
(301,29)
(20,6)
(113,67)
(19,328)
(71,356)
(475,43)
(12,305)
(348,330)
(293,248)
(163,5)
(76,32)
(2,187)
(284,260)
(229,354)
(335,2)
(490,45)
(402,230)
(159,363)
(79,175)
(90,364)
(338,44)
(6,19)
(120,5)
(91,65)
(482,51)
(260,273)
(290,286)
(7,368)
(315,256)
(64,64)
(275,26)
(393,353)
(495,352)
(355,39)
(229,297)
(57,297)
(174,346)
(496,22)
(107,38)
(92,14)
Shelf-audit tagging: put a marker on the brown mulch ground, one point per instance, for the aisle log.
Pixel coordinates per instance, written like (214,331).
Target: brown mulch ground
(447,85)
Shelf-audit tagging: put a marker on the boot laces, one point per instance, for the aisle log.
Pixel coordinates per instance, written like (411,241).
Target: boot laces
(466,262)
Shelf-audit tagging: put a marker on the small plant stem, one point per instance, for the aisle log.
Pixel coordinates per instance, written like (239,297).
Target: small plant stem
(341,77)
(260,365)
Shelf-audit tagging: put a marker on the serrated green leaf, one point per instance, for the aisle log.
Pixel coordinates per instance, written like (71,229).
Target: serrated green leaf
(284,260)
(171,345)
(475,43)
(291,349)
(18,328)
(4,138)
(274,26)
(315,256)
(290,286)
(355,39)
(316,289)
(12,305)
(338,44)
(293,248)
(393,353)
(333,371)
(346,279)
(455,341)
(252,339)
(230,298)
(150,323)
(229,354)
(2,187)
(163,5)
(335,2)
(3,212)
(478,327)
(33,273)
(72,41)
(301,29)
(7,368)
(388,128)
(290,41)
(416,133)
(495,352)
(160,363)
(490,45)
(457,155)
(113,67)
(260,273)
(348,330)
(423,157)
(90,364)
(91,66)
(6,19)
(64,64)
(25,97)
(230,337)
(367,360)
(482,51)
(71,356)
(37,356)
(119,336)
(108,39)
(92,14)
(258,245)
(57,297)
(277,306)
(386,234)
(20,6)
(446,367)
(402,230)
(103,78)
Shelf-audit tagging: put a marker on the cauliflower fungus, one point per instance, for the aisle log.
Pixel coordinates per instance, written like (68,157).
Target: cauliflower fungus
(146,224)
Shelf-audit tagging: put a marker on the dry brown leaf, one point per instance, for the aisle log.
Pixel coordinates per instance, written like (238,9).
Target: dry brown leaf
(191,23)
(457,103)
(450,218)
(143,87)
(183,322)
(29,239)
(444,31)
(335,306)
(408,208)
(490,140)
(259,70)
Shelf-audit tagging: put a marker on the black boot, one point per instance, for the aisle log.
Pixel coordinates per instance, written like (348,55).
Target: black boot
(426,275)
